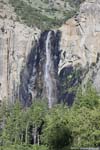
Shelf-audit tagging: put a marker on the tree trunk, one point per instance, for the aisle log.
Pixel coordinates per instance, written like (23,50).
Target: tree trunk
(38,139)
(34,135)
(26,134)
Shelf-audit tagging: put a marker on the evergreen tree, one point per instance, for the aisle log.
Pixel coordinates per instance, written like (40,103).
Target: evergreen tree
(57,133)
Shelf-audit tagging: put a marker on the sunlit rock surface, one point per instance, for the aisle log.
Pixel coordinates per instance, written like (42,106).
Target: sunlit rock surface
(80,42)
(16,41)
(74,51)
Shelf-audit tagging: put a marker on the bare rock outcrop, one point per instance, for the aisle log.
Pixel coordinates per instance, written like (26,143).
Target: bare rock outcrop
(75,50)
(16,41)
(80,42)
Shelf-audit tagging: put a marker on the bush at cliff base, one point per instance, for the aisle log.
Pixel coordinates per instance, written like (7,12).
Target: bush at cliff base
(23,147)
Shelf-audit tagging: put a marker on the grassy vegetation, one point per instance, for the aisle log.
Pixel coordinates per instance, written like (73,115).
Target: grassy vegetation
(23,147)
(33,16)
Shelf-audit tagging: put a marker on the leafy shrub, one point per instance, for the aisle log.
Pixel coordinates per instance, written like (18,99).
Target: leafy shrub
(23,147)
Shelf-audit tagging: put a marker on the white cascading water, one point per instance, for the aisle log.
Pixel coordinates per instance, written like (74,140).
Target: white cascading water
(49,74)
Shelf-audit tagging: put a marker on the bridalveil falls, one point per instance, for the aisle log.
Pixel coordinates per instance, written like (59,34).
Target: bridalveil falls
(39,78)
(51,87)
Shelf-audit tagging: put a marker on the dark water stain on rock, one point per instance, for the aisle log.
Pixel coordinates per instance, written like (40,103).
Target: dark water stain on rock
(32,76)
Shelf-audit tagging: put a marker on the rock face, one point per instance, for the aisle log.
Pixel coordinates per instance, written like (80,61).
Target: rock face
(39,77)
(30,62)
(80,42)
(16,41)
(81,36)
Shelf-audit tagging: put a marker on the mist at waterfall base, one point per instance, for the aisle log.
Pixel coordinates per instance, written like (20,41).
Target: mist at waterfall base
(40,78)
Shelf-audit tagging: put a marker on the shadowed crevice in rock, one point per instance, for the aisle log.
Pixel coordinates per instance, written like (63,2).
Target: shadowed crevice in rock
(70,78)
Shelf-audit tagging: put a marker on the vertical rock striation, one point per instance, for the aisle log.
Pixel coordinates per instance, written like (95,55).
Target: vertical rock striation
(80,48)
(15,44)
(53,64)
(16,41)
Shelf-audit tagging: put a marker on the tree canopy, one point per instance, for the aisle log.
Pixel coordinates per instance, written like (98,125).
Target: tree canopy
(59,128)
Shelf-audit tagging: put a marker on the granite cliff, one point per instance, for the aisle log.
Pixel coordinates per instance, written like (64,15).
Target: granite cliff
(74,50)
(16,41)
(80,44)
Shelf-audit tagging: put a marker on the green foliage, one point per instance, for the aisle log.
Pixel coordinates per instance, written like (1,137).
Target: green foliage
(60,128)
(34,16)
(88,98)
(85,125)
(42,147)
(19,122)
(57,133)
(12,127)
(37,111)
(24,147)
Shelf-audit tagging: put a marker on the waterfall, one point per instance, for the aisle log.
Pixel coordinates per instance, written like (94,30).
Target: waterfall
(51,88)
(39,77)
